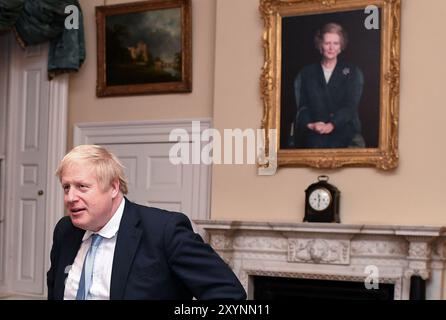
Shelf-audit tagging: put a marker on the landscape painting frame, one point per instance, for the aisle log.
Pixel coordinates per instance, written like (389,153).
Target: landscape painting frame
(144,48)
(380,119)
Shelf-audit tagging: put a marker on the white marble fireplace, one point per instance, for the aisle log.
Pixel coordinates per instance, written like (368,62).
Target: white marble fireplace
(332,252)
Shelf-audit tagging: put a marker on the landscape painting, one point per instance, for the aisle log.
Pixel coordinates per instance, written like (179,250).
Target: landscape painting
(144,48)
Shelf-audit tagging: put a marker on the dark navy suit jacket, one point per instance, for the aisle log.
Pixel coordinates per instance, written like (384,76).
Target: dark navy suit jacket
(157,256)
(336,102)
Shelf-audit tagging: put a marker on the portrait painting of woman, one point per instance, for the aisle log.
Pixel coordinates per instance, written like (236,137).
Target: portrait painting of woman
(330,89)
(330,84)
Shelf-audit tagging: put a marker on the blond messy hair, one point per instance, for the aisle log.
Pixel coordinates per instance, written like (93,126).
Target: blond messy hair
(106,165)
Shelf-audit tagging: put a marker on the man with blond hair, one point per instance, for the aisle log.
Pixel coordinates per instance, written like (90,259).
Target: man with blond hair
(110,248)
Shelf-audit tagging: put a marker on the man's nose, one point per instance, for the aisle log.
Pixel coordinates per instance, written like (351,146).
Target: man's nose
(72,195)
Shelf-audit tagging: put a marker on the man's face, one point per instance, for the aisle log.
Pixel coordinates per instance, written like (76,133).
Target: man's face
(89,204)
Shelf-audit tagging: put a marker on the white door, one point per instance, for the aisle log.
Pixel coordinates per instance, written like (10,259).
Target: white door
(153,180)
(29,104)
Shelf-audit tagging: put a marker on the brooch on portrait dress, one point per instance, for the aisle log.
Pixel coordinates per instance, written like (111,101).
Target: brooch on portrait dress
(346,71)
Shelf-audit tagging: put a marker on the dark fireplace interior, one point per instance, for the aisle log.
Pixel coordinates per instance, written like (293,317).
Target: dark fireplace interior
(277,288)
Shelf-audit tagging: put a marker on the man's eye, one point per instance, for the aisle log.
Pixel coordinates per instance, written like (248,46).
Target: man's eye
(66,188)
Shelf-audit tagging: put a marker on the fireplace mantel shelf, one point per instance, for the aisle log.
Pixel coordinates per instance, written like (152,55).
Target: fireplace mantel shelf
(332,228)
(332,251)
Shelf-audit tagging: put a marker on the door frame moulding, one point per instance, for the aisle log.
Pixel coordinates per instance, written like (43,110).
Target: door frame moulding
(57,137)
(130,132)
(57,147)
(4,62)
(3,234)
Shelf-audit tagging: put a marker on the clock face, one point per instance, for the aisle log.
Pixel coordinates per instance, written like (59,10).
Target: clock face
(319,199)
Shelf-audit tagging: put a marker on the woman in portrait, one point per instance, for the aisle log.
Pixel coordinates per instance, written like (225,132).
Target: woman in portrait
(327,96)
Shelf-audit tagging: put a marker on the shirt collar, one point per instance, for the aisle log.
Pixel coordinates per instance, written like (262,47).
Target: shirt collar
(111,228)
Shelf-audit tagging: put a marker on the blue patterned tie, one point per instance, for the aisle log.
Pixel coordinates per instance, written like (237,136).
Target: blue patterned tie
(87,269)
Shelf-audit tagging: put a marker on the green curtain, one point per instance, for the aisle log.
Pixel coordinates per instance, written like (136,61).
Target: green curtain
(38,21)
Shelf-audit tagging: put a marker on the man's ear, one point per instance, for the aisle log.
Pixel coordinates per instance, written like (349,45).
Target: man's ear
(115,188)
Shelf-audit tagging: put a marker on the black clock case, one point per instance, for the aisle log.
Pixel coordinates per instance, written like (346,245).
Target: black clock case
(331,214)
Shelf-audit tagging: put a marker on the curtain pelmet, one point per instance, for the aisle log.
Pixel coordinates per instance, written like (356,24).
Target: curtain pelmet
(39,21)
(9,12)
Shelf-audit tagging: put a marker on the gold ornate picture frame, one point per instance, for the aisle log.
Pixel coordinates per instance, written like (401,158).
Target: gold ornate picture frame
(144,48)
(373,29)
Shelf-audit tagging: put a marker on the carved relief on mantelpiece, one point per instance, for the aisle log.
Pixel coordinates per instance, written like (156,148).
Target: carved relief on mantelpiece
(420,254)
(318,251)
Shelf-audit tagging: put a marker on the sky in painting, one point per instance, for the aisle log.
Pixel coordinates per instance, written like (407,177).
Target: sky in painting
(159,29)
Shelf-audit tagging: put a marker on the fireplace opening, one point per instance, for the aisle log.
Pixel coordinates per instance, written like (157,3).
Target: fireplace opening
(278,288)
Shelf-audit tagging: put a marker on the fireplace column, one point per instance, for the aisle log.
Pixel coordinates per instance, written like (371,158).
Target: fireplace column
(420,255)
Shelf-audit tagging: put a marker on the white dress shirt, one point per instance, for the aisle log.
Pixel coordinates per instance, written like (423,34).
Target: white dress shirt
(100,285)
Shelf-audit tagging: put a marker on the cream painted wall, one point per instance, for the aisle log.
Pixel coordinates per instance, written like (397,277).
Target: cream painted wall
(229,93)
(410,195)
(84,106)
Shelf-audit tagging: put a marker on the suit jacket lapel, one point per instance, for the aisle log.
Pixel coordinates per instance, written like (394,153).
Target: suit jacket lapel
(332,90)
(127,242)
(337,78)
(321,77)
(325,89)
(67,256)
